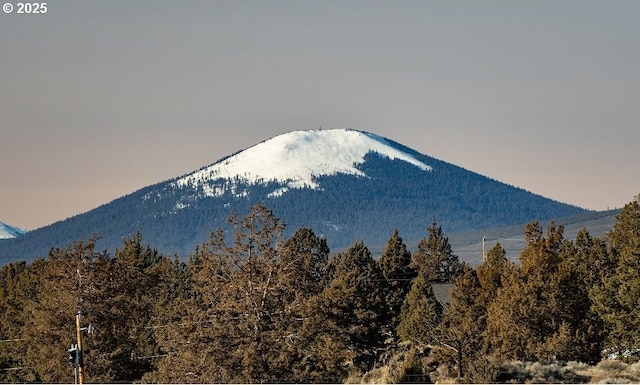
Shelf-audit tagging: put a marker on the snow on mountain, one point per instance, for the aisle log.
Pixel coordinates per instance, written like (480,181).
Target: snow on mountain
(7,231)
(294,160)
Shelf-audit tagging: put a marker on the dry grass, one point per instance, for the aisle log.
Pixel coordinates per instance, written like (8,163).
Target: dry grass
(408,365)
(605,372)
(613,372)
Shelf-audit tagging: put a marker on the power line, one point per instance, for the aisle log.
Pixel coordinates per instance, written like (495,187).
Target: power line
(13,339)
(16,368)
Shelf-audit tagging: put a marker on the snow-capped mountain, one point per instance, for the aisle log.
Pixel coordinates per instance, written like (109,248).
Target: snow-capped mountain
(345,184)
(294,160)
(8,231)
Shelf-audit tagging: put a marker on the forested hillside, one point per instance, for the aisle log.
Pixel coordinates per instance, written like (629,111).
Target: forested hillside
(254,305)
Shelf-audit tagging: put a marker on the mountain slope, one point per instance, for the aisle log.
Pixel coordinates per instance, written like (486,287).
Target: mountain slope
(295,160)
(345,184)
(8,231)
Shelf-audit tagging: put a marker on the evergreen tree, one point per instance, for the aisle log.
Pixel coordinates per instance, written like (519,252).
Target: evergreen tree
(231,326)
(18,286)
(187,336)
(302,276)
(122,310)
(523,314)
(491,275)
(491,271)
(116,296)
(352,305)
(543,308)
(463,323)
(303,264)
(617,297)
(396,269)
(580,333)
(421,314)
(71,281)
(509,316)
(434,258)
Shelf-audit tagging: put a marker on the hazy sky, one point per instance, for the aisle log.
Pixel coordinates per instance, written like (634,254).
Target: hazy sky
(101,98)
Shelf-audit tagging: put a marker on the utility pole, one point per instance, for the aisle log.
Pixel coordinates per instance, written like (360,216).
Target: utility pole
(484,253)
(80,352)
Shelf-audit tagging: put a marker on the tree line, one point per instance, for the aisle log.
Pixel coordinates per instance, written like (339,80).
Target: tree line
(249,305)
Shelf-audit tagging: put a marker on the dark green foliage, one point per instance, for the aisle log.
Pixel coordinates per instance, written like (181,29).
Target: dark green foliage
(396,269)
(353,303)
(18,285)
(72,279)
(491,272)
(523,315)
(543,309)
(127,298)
(117,296)
(434,258)
(421,314)
(463,324)
(617,297)
(303,261)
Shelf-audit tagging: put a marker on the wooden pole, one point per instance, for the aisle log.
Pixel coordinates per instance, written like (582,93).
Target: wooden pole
(484,254)
(80,352)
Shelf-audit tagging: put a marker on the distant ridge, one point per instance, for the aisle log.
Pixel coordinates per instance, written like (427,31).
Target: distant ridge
(345,184)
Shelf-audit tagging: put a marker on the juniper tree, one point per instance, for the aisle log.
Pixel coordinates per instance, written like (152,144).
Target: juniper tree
(302,276)
(460,332)
(303,263)
(123,306)
(579,336)
(252,315)
(434,258)
(19,283)
(421,314)
(491,271)
(543,308)
(352,304)
(521,317)
(71,281)
(396,269)
(249,294)
(617,297)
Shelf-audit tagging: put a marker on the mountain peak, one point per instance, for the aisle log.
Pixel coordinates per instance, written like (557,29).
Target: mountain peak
(295,159)
(8,231)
